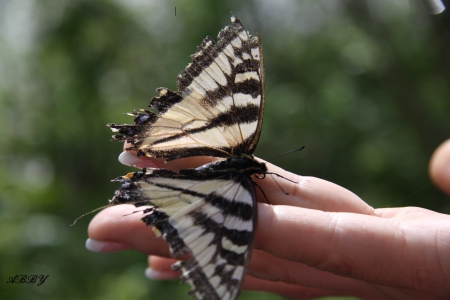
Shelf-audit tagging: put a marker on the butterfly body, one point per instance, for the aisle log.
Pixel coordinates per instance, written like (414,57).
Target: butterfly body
(208,213)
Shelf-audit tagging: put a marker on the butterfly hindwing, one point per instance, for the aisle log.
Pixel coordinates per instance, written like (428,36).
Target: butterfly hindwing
(217,110)
(208,213)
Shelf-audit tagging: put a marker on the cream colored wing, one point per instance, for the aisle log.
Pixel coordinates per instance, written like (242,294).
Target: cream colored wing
(218,108)
(208,213)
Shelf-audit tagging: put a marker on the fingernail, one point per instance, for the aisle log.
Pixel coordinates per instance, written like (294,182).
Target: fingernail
(102,246)
(159,275)
(129,159)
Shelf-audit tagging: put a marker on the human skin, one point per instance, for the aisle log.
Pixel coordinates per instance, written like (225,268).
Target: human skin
(319,240)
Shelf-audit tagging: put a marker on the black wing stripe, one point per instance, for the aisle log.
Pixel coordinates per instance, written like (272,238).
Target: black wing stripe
(235,208)
(217,273)
(225,195)
(226,38)
(237,237)
(237,115)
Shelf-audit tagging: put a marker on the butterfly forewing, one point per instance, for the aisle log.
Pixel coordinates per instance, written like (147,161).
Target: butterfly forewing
(207,213)
(217,110)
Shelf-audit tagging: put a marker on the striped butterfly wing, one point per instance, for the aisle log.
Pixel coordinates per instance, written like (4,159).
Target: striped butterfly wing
(208,213)
(218,108)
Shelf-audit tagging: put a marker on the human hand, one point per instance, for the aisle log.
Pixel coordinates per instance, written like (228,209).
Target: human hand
(320,240)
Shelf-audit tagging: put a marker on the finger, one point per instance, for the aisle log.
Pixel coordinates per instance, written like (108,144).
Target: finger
(276,227)
(269,268)
(129,159)
(331,242)
(287,290)
(440,167)
(161,269)
(119,224)
(350,245)
(303,191)
(309,192)
(162,264)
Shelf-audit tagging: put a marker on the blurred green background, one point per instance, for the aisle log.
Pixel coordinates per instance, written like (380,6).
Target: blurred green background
(364,85)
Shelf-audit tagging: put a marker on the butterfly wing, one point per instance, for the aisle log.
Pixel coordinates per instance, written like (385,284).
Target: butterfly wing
(208,213)
(218,108)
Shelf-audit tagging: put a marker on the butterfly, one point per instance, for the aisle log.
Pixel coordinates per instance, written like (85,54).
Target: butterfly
(207,213)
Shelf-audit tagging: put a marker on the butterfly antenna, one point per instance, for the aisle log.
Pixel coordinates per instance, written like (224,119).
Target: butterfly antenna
(133,212)
(291,151)
(88,213)
(276,174)
(262,191)
(286,193)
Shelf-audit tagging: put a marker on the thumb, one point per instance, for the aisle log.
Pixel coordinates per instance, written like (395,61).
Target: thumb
(440,167)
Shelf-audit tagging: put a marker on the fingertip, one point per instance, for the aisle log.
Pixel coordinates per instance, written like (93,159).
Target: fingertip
(161,268)
(126,158)
(160,275)
(161,263)
(105,246)
(440,166)
(130,159)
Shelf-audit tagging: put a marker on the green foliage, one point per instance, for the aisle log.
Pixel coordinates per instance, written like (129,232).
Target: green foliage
(363,85)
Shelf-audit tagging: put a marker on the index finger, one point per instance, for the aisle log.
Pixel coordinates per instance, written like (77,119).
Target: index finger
(284,189)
